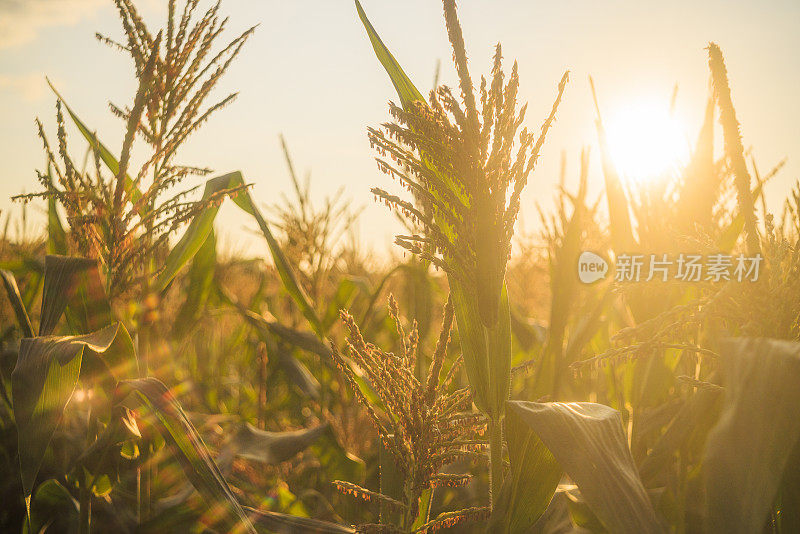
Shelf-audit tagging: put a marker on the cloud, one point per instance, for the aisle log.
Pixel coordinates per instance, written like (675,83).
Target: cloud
(22,20)
(29,86)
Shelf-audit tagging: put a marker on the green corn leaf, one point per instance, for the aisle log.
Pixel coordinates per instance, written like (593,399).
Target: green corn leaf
(696,417)
(188,448)
(588,442)
(405,88)
(277,523)
(33,288)
(12,290)
(748,451)
(487,351)
(308,342)
(529,487)
(105,154)
(198,230)
(272,448)
(199,286)
(73,285)
(53,509)
(347,290)
(56,235)
(296,371)
(284,268)
(42,383)
(391,482)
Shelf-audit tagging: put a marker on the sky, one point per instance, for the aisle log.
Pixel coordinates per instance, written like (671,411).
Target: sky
(309,73)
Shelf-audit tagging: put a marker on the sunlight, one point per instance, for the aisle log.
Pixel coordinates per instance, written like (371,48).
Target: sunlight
(646,141)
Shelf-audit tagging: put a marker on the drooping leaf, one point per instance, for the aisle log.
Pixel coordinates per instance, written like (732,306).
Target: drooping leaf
(302,340)
(42,383)
(282,265)
(588,442)
(747,452)
(12,290)
(297,372)
(199,229)
(529,487)
(73,286)
(277,523)
(189,449)
(272,448)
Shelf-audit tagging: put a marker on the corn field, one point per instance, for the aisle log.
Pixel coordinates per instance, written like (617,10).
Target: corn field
(151,383)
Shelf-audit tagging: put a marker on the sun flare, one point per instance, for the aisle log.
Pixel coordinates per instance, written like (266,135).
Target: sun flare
(646,141)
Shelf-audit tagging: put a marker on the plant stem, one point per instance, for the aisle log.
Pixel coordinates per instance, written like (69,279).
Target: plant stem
(495,458)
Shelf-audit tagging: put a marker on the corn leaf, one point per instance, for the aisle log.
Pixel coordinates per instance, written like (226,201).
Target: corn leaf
(199,286)
(53,509)
(405,88)
(56,235)
(198,230)
(696,417)
(284,268)
(272,448)
(12,290)
(73,285)
(532,482)
(277,523)
(105,154)
(296,371)
(618,214)
(588,442)
(748,450)
(42,383)
(188,448)
(487,351)
(347,290)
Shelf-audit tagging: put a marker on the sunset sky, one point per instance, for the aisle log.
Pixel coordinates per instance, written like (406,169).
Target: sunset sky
(310,73)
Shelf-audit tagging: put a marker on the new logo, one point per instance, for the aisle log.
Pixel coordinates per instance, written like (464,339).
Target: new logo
(591,267)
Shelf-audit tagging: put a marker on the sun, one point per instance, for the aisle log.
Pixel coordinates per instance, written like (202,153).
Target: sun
(646,141)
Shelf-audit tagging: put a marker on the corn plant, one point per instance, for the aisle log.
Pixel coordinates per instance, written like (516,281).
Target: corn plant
(468,167)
